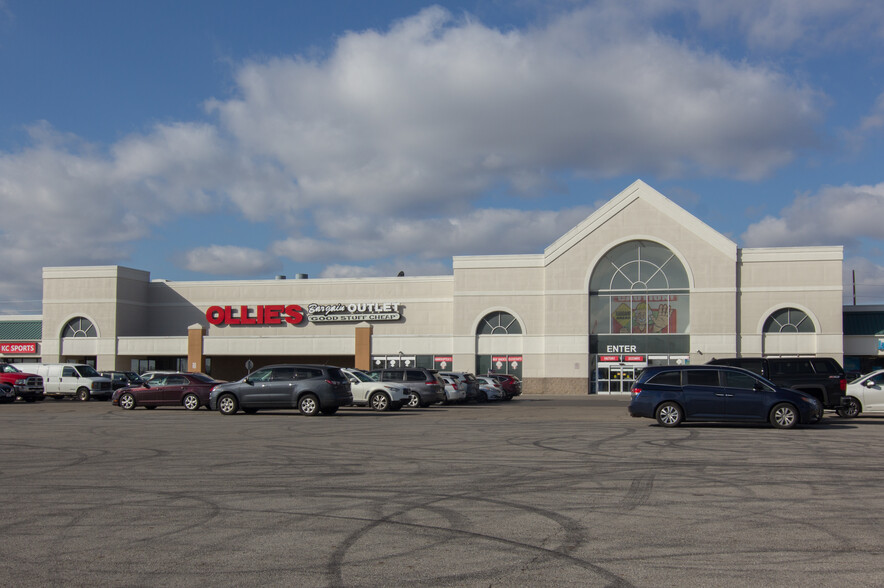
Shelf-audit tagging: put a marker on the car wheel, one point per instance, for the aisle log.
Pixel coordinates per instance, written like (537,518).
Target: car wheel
(228,404)
(414,400)
(379,401)
(191,402)
(669,414)
(83,394)
(127,401)
(850,409)
(784,416)
(483,397)
(308,405)
(328,411)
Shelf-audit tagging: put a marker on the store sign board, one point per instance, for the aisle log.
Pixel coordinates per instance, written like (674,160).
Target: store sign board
(269,314)
(353,312)
(27,348)
(294,314)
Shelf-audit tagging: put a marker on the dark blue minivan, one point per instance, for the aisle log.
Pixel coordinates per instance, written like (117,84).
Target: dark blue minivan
(672,394)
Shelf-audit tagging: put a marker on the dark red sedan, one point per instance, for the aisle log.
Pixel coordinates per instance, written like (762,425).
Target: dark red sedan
(180,389)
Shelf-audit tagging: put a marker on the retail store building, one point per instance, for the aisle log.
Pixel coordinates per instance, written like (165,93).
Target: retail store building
(639,282)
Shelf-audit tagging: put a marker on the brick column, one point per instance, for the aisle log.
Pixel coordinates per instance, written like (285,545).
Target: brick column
(195,360)
(363,348)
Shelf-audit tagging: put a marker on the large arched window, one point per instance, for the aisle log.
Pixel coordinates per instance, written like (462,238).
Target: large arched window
(499,323)
(639,302)
(79,327)
(788,320)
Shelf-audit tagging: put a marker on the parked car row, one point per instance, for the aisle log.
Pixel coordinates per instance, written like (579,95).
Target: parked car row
(311,389)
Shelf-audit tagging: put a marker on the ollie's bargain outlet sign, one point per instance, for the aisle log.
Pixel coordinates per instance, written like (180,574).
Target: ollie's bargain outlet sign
(294,314)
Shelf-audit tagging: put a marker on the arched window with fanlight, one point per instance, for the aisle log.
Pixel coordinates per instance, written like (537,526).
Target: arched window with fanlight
(639,294)
(788,320)
(79,327)
(499,323)
(499,344)
(788,331)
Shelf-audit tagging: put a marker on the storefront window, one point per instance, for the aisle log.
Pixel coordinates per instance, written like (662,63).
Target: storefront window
(639,287)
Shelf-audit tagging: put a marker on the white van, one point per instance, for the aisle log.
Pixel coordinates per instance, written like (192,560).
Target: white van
(70,379)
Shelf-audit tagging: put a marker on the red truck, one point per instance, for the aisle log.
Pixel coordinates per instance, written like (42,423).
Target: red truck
(28,387)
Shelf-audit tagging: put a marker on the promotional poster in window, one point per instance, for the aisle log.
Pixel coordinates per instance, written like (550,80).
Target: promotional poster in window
(644,314)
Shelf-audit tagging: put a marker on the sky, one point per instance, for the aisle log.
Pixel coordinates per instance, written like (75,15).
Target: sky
(225,140)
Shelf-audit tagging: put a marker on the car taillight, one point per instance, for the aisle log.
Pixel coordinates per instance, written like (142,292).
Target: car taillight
(843,385)
(432,383)
(636,391)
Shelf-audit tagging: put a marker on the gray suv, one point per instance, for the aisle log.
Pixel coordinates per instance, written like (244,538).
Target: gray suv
(425,386)
(309,388)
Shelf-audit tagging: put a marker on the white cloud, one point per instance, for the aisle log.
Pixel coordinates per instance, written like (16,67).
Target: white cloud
(781,24)
(435,110)
(836,215)
(231,260)
(489,231)
(384,147)
(868,279)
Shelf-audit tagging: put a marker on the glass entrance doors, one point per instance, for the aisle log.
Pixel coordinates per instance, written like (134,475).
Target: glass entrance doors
(615,379)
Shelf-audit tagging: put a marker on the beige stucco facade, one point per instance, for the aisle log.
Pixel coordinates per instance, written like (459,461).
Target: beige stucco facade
(732,292)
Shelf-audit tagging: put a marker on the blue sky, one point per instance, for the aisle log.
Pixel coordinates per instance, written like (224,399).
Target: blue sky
(215,140)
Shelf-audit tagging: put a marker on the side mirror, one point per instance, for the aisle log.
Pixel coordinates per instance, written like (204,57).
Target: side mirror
(869,383)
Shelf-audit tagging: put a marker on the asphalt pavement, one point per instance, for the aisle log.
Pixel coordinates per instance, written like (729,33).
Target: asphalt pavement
(540,491)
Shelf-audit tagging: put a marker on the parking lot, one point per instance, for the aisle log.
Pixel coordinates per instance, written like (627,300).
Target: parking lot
(540,491)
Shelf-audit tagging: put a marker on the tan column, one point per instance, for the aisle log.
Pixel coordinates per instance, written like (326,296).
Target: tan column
(195,360)
(363,348)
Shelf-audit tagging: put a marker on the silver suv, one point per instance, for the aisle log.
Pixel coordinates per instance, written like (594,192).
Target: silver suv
(425,385)
(378,395)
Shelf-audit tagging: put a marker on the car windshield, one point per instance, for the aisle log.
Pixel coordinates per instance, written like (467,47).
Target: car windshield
(362,377)
(8,369)
(88,371)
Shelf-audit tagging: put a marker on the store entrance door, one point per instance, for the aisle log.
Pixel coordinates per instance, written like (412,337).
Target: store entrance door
(615,374)
(622,379)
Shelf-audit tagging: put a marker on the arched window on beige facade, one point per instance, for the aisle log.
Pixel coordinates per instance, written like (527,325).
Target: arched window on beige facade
(499,344)
(788,331)
(79,327)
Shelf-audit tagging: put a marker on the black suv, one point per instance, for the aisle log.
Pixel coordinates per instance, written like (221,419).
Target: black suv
(309,388)
(425,386)
(821,377)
